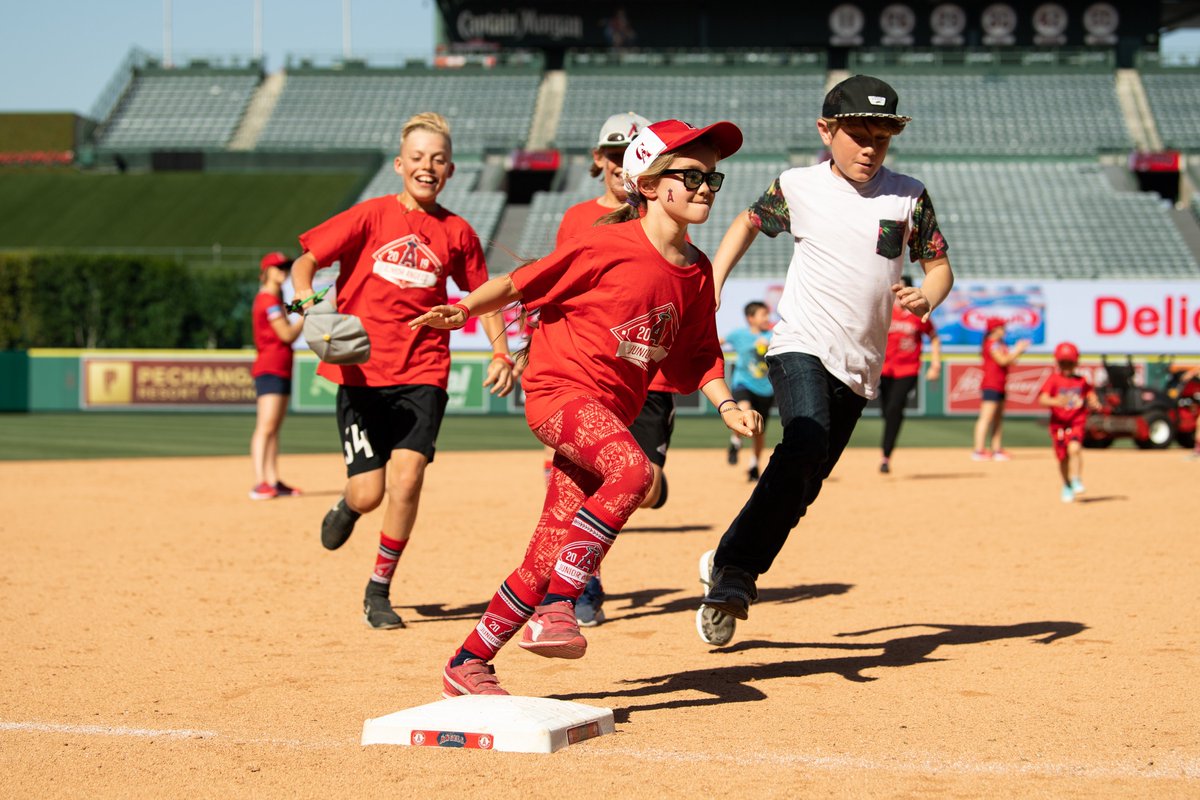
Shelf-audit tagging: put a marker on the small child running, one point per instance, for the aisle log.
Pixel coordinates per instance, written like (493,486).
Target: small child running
(997,360)
(616,302)
(1068,396)
(751,387)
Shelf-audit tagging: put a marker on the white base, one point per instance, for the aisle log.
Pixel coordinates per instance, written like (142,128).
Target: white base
(492,722)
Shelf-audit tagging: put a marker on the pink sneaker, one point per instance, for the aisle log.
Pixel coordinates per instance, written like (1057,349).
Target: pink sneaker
(981,455)
(264,491)
(553,632)
(1001,455)
(472,677)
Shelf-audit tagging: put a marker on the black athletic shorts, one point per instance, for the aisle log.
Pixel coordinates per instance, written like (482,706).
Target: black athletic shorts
(759,402)
(654,425)
(375,420)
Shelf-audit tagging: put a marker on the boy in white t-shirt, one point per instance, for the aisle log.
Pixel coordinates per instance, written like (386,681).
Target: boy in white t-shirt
(851,218)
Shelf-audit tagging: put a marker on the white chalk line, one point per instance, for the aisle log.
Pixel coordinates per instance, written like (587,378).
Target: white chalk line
(1170,768)
(1164,768)
(166,733)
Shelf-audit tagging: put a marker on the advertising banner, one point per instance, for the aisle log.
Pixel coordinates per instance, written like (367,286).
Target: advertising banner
(1104,317)
(1025,382)
(467,395)
(175,381)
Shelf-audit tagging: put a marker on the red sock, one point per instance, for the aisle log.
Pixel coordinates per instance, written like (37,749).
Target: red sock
(592,533)
(510,608)
(385,561)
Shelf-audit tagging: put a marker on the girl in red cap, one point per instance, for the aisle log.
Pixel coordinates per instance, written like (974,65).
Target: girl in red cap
(618,303)
(997,358)
(1068,396)
(272,371)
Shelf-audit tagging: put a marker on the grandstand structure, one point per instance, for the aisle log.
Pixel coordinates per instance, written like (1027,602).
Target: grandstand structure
(1023,151)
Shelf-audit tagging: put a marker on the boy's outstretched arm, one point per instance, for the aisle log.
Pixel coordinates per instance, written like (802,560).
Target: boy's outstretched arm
(734,244)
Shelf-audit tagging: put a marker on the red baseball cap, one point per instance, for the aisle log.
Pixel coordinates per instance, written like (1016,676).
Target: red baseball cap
(994,322)
(671,134)
(1066,352)
(275,259)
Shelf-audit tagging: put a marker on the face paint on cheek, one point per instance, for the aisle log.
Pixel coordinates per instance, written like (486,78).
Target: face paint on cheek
(670,195)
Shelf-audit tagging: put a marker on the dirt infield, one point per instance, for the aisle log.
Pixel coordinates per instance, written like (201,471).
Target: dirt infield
(949,630)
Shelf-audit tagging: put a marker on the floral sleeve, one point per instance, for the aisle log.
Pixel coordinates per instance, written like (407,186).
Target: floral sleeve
(925,242)
(769,213)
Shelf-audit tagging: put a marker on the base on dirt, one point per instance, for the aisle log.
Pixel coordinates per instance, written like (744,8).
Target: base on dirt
(492,722)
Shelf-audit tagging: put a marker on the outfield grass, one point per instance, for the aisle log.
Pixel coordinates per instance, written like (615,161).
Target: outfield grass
(66,208)
(119,435)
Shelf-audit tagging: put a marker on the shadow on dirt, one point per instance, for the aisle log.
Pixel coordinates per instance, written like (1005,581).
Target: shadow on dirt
(623,606)
(736,684)
(666,529)
(942,476)
(1103,498)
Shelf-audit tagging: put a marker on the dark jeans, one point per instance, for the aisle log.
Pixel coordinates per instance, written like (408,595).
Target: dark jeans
(893,395)
(818,413)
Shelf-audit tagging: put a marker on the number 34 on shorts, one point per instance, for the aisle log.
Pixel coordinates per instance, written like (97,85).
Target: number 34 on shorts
(355,441)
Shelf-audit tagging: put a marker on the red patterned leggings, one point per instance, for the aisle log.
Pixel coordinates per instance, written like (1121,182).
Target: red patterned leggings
(600,477)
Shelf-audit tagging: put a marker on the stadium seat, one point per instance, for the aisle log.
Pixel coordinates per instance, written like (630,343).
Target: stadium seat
(180,109)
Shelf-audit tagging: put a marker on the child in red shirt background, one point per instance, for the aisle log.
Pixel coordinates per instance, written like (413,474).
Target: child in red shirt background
(272,371)
(901,365)
(396,254)
(1068,396)
(617,303)
(997,359)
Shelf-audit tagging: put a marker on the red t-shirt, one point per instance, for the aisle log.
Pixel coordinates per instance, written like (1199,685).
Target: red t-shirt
(579,218)
(902,359)
(394,266)
(274,355)
(1077,388)
(611,308)
(994,375)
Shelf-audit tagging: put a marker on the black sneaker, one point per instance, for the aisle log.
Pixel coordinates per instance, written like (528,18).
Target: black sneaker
(338,525)
(884,467)
(732,593)
(378,613)
(752,473)
(731,455)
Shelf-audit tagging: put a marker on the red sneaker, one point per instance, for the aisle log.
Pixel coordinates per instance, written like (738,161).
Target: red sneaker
(553,632)
(264,491)
(283,490)
(472,677)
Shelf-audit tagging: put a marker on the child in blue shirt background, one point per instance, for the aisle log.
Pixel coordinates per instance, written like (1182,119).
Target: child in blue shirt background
(751,387)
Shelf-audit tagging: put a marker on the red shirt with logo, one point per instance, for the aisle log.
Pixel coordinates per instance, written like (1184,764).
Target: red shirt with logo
(579,218)
(612,309)
(902,358)
(994,375)
(274,355)
(394,266)
(1074,387)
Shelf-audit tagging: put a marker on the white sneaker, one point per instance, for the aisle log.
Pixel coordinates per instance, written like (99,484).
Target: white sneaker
(1067,496)
(1077,486)
(715,627)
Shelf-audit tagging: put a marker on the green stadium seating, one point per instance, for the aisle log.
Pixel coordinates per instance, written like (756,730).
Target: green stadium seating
(318,111)
(1018,114)
(1048,219)
(187,109)
(1175,101)
(776,111)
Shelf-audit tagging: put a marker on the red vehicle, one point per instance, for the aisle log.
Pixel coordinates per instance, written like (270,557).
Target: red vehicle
(1151,417)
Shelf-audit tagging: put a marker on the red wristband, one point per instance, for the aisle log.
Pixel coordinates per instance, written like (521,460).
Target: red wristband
(466,311)
(505,357)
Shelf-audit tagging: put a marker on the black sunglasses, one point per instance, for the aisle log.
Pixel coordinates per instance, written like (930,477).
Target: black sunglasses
(692,178)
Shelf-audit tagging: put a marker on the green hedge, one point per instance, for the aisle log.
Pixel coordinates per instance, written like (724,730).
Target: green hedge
(69,300)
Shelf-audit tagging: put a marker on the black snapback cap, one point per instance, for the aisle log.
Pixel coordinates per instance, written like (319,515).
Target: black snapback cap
(862,96)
